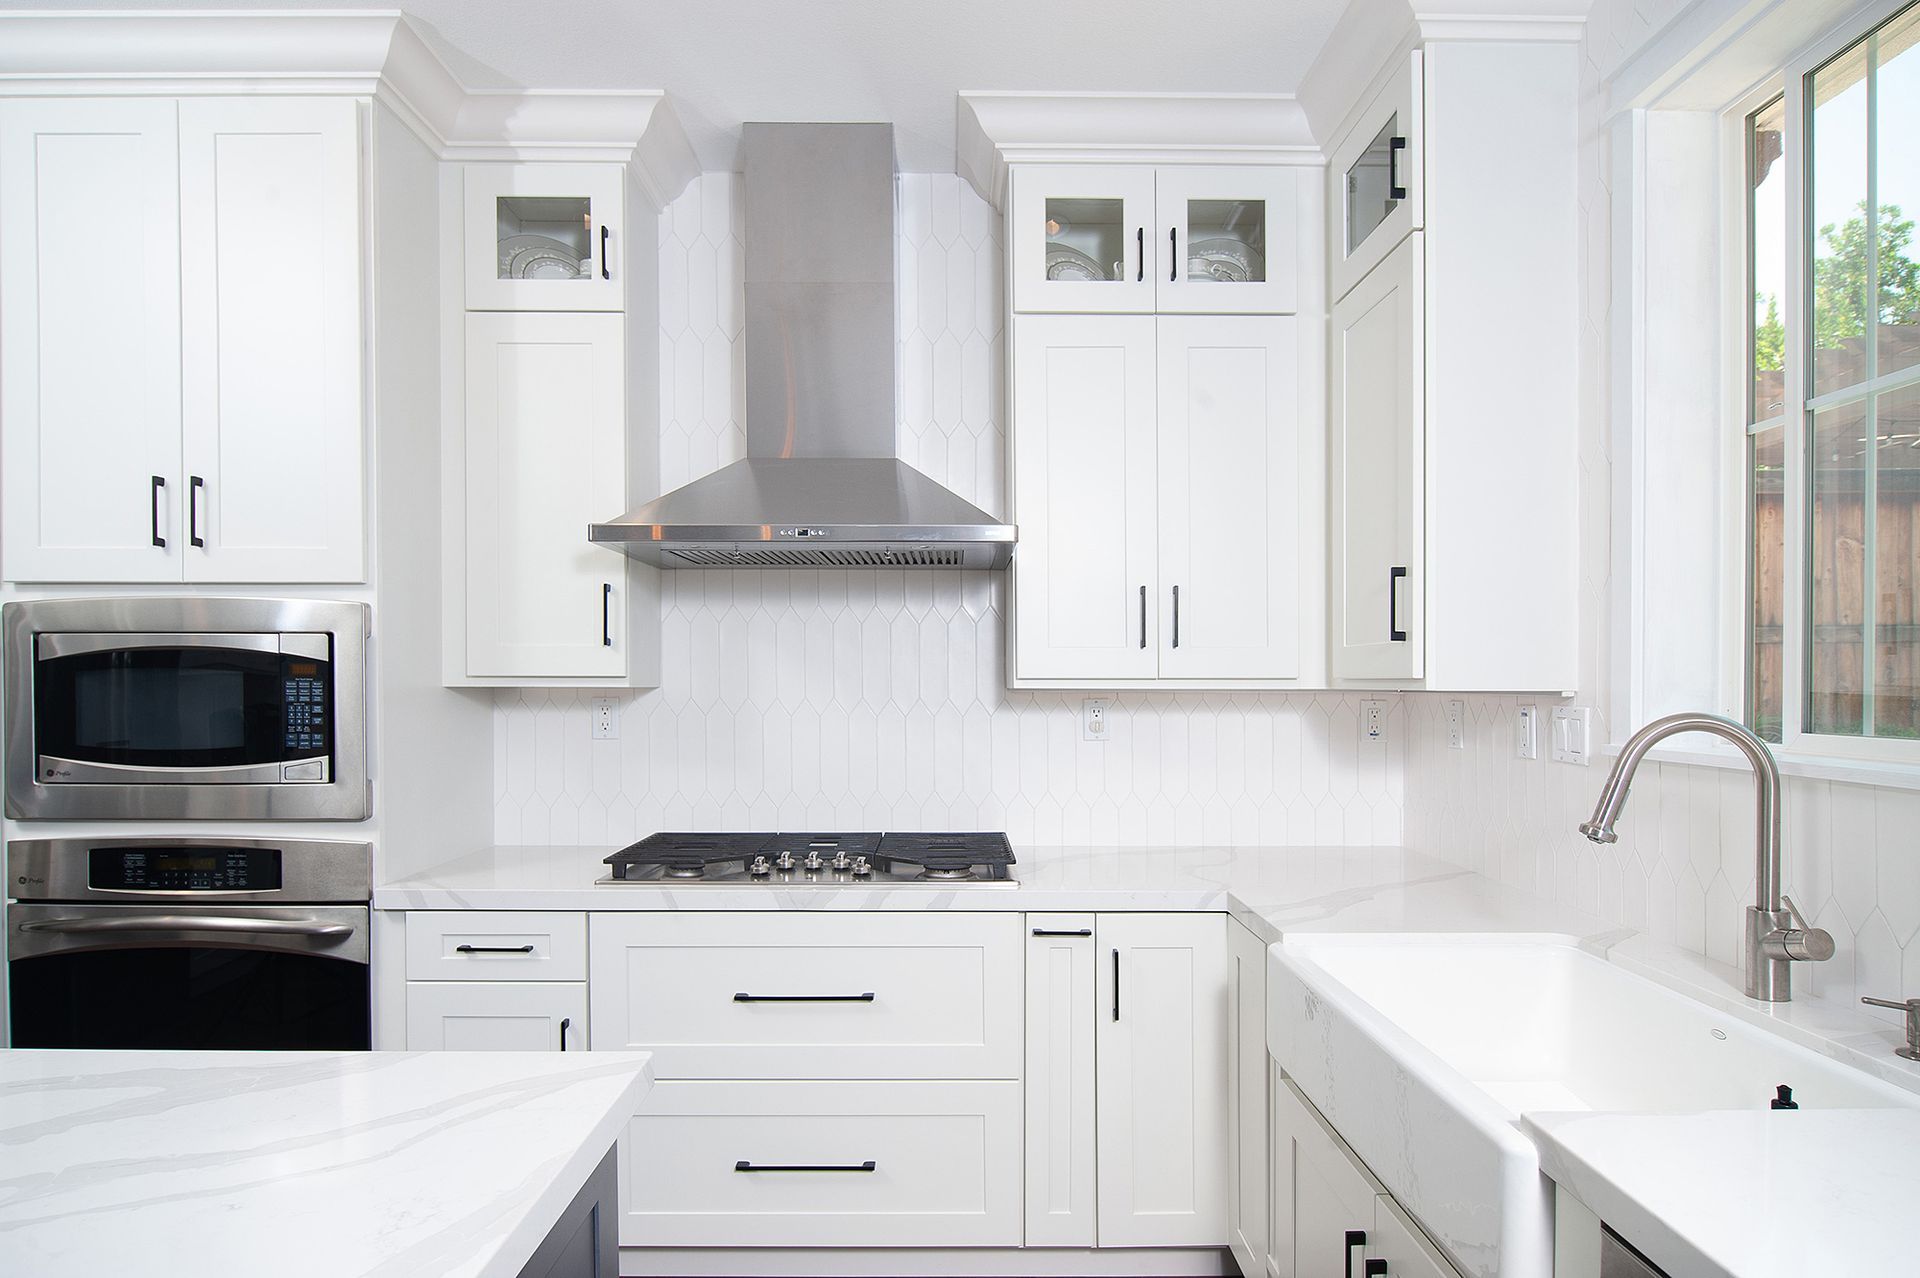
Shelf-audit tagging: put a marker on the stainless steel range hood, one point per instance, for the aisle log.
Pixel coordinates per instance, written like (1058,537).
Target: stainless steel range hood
(820,486)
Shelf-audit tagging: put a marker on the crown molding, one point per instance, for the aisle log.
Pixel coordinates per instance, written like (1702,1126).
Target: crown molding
(995,129)
(356,53)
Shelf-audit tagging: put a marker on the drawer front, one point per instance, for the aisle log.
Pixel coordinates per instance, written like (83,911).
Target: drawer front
(910,1163)
(785,995)
(496,1016)
(496,945)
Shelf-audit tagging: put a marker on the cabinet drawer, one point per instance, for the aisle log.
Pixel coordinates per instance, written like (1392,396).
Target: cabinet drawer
(935,1164)
(780,995)
(496,946)
(496,1016)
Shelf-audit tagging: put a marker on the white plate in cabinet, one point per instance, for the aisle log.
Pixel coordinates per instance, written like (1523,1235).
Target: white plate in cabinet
(496,1016)
(839,1164)
(496,945)
(1226,240)
(1083,238)
(1376,192)
(1061,1176)
(545,237)
(790,995)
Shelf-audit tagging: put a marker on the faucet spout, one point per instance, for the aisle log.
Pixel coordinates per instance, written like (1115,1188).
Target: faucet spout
(1776,935)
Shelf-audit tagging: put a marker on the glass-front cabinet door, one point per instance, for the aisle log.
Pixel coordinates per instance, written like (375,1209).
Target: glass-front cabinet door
(1081,238)
(1374,195)
(1225,241)
(544,237)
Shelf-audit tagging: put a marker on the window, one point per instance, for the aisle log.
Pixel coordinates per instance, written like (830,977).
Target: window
(1833,413)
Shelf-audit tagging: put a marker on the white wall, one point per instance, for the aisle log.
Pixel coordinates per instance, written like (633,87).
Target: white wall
(878,699)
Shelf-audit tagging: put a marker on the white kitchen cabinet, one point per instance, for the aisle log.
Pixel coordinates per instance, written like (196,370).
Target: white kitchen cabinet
(1227,239)
(496,945)
(1375,190)
(1162,1080)
(271,339)
(496,1016)
(180,340)
(1085,602)
(1229,525)
(1060,1113)
(1377,455)
(1249,1128)
(545,456)
(545,237)
(1083,238)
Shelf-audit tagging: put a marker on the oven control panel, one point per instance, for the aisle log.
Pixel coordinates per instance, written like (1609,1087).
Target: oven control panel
(184,869)
(304,689)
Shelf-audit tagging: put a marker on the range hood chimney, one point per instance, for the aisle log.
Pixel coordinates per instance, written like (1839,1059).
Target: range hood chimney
(820,486)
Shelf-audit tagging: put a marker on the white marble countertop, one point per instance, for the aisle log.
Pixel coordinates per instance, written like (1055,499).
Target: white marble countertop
(297,1164)
(1746,1194)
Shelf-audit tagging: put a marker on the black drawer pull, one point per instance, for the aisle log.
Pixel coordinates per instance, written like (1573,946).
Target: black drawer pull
(1395,191)
(493,949)
(1375,1268)
(1140,254)
(606,614)
(566,1023)
(153,510)
(804,998)
(1173,252)
(194,485)
(1068,931)
(605,274)
(1116,985)
(744,1166)
(1355,1238)
(1395,576)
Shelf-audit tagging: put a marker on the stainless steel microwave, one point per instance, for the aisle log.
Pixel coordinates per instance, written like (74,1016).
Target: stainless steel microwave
(186,708)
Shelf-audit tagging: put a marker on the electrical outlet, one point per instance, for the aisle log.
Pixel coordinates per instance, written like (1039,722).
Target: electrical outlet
(1096,714)
(606,719)
(1526,732)
(1373,720)
(1570,733)
(1456,725)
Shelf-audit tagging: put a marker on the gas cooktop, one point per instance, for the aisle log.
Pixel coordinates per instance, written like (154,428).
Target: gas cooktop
(815,860)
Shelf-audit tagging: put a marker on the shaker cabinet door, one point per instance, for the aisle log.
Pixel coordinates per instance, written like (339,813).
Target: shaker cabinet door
(1375,188)
(89,340)
(271,374)
(1082,238)
(545,237)
(1225,240)
(1061,954)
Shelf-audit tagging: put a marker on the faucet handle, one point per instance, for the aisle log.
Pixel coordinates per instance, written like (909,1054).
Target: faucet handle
(1799,919)
(1802,942)
(1912,1008)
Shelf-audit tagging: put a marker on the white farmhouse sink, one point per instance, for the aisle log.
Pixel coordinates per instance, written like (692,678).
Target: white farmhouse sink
(1424,1051)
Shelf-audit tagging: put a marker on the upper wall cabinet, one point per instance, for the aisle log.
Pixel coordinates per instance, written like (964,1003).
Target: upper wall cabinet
(1375,193)
(545,237)
(1135,239)
(180,340)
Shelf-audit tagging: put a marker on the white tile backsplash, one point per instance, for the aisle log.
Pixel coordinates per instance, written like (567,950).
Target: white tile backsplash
(868,699)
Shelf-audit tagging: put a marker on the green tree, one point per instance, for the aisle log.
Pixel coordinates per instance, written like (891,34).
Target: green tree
(1769,336)
(1840,306)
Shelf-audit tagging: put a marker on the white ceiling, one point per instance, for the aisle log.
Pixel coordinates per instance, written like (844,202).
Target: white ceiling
(725,61)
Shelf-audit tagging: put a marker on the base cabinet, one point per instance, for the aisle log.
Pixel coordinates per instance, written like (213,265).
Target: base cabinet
(496,1016)
(1249,1126)
(1061,1020)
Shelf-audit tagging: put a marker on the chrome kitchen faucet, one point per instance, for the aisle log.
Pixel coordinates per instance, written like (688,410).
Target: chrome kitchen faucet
(1776,937)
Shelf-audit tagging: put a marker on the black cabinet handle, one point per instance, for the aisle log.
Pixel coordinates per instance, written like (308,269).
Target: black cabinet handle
(1143,616)
(194,485)
(1375,1268)
(1068,931)
(606,614)
(493,949)
(1394,190)
(744,1166)
(605,274)
(153,511)
(566,1023)
(1140,252)
(804,998)
(1355,1238)
(1173,253)
(1116,985)
(1394,633)
(1176,616)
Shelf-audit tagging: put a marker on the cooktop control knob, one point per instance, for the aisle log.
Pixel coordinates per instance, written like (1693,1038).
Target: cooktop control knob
(841,860)
(759,869)
(860,867)
(783,862)
(813,863)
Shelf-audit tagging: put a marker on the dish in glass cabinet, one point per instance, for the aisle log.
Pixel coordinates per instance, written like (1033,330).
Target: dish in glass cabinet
(1225,260)
(536,257)
(1065,263)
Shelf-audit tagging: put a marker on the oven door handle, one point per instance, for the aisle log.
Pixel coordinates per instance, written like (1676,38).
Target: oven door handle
(69,644)
(192,923)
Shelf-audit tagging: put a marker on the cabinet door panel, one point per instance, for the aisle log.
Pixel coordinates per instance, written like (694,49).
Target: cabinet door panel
(1083,482)
(1319,1193)
(1226,240)
(1162,1072)
(496,1016)
(1060,1080)
(1248,1124)
(1229,540)
(545,237)
(270,300)
(1376,191)
(1379,468)
(546,455)
(1080,236)
(89,340)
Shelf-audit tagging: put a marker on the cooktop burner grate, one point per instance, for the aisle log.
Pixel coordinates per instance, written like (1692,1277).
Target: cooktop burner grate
(803,859)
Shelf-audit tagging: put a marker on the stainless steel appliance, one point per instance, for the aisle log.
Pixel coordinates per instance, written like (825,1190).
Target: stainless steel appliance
(820,486)
(815,861)
(176,708)
(189,943)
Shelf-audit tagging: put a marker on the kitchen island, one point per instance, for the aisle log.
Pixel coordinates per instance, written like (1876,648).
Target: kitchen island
(327,1164)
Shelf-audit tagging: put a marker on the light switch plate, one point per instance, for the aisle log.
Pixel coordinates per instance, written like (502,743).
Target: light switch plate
(1526,732)
(1373,720)
(1456,725)
(1571,727)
